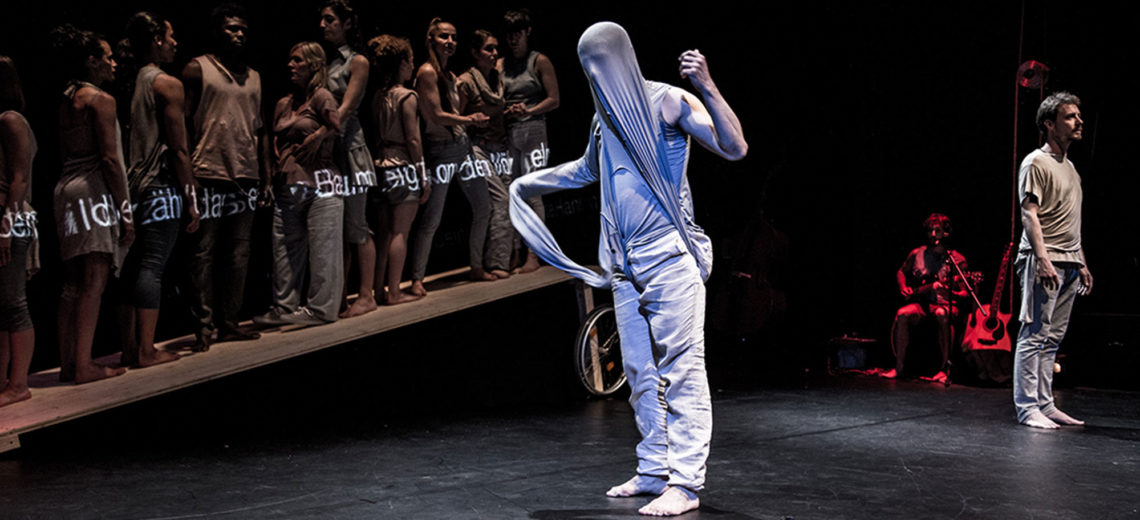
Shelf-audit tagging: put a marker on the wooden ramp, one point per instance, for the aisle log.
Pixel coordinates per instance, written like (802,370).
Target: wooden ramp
(53,402)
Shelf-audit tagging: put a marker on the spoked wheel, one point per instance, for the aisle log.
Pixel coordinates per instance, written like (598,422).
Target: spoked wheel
(597,352)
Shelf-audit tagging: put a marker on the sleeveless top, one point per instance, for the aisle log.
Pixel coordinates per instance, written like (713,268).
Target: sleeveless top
(392,144)
(226,123)
(338,84)
(522,85)
(148,138)
(449,101)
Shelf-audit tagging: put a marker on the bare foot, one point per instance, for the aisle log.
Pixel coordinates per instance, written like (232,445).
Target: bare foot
(401,297)
(940,377)
(202,343)
(638,485)
(95,372)
(418,288)
(672,502)
(238,335)
(890,374)
(11,395)
(1060,417)
(500,274)
(362,305)
(531,264)
(1038,420)
(479,275)
(152,356)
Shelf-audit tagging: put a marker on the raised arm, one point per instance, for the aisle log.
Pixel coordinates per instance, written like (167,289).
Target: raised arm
(534,232)
(172,103)
(716,126)
(111,164)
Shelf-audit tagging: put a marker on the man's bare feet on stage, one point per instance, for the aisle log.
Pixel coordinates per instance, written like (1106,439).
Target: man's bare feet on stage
(11,395)
(399,297)
(672,502)
(95,372)
(1038,420)
(479,275)
(1060,417)
(890,374)
(638,485)
(152,356)
(418,288)
(362,305)
(500,274)
(531,264)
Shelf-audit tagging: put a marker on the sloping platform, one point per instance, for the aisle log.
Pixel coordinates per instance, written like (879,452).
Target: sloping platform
(53,402)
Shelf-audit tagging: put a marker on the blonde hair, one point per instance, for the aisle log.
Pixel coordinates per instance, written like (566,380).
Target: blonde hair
(313,55)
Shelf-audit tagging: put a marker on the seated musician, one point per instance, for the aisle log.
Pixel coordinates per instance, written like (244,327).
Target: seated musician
(929,282)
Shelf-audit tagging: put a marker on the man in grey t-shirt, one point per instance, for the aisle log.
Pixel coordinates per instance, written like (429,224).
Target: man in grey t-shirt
(1050,260)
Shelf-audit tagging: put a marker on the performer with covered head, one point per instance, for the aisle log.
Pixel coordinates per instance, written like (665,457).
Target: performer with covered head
(653,255)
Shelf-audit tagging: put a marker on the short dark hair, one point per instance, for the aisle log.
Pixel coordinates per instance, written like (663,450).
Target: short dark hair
(1048,109)
(516,20)
(940,220)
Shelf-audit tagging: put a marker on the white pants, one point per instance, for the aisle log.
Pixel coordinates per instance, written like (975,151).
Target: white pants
(660,308)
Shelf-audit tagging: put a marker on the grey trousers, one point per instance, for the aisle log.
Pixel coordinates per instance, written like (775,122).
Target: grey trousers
(447,161)
(660,308)
(1039,339)
(501,235)
(307,237)
(529,152)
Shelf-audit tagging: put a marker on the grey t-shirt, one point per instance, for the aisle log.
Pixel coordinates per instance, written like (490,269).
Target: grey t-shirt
(1053,181)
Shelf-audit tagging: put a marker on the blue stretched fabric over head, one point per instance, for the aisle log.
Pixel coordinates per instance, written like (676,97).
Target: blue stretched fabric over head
(626,134)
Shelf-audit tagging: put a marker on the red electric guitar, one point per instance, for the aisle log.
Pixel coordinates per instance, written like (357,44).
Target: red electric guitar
(988,327)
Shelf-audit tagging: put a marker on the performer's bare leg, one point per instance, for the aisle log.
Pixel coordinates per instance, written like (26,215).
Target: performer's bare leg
(95,268)
(674,501)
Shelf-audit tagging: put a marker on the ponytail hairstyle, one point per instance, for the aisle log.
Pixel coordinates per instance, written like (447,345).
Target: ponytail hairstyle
(134,49)
(72,48)
(388,53)
(433,29)
(347,14)
(314,56)
(11,95)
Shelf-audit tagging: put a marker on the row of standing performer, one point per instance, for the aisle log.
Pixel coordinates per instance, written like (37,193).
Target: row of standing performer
(200,137)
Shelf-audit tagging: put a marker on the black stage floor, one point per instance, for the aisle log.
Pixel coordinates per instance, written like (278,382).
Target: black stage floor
(849,448)
(461,429)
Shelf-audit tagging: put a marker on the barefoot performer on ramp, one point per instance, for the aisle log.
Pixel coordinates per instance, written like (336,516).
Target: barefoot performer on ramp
(654,256)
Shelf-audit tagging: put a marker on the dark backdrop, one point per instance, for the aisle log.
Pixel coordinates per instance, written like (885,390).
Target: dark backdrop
(862,119)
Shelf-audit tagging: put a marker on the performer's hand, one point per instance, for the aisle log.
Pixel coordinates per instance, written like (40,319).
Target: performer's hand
(1047,275)
(127,233)
(426,192)
(479,119)
(195,218)
(695,68)
(906,291)
(1086,282)
(265,198)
